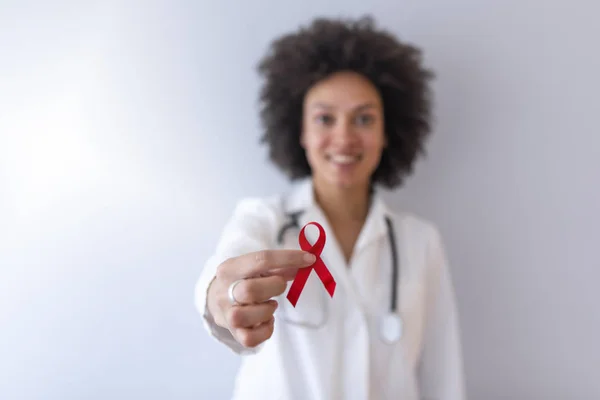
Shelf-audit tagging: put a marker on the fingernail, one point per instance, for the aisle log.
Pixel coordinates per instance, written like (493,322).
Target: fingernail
(310,258)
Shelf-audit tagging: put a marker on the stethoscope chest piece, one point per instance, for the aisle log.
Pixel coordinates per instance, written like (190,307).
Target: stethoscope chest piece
(391,327)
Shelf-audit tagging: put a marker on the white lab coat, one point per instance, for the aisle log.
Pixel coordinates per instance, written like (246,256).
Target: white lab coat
(343,356)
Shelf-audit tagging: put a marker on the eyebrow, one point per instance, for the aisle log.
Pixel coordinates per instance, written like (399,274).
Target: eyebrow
(357,108)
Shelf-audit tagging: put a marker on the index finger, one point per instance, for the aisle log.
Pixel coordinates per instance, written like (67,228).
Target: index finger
(265,261)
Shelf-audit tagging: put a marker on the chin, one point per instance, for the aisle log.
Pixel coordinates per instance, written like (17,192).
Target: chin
(343,176)
(346,183)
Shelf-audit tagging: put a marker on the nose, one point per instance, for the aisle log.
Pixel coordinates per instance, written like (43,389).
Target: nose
(343,131)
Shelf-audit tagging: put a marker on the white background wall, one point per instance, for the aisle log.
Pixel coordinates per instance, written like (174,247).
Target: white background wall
(115,181)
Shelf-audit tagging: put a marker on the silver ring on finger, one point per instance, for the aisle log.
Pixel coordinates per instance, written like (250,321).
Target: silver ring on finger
(232,298)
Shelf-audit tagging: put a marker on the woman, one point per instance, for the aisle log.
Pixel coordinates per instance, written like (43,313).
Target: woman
(346,108)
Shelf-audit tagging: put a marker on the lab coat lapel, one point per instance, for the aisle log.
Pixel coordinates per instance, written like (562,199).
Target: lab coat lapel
(368,261)
(374,227)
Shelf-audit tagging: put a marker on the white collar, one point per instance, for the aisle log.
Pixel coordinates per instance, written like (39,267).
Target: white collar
(301,200)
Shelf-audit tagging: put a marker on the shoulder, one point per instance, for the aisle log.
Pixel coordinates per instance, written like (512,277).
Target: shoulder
(265,208)
(252,225)
(261,213)
(420,236)
(275,206)
(416,226)
(258,205)
(422,240)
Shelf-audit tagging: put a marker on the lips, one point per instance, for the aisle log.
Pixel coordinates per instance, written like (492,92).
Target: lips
(344,159)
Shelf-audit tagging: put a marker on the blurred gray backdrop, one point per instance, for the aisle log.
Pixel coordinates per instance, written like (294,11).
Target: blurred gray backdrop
(128,130)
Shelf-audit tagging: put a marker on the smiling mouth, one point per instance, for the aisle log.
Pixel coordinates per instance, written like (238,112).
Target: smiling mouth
(343,159)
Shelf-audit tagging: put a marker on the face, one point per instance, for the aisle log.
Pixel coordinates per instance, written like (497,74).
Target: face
(343,130)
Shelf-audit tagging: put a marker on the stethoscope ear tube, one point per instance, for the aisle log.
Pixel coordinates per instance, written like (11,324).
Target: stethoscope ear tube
(394,257)
(292,224)
(391,324)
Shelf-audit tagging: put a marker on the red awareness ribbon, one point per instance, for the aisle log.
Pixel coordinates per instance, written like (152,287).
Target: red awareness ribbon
(319,266)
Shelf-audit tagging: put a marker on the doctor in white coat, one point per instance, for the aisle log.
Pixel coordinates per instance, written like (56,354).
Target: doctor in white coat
(345,108)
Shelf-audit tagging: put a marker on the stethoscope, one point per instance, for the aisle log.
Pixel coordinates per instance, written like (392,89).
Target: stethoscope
(391,325)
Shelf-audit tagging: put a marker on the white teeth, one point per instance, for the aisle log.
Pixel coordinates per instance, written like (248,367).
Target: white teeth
(344,159)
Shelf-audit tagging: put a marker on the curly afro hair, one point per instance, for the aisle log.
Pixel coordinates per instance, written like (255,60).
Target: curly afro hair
(295,62)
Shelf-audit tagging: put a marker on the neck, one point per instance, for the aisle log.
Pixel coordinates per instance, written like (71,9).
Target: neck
(343,205)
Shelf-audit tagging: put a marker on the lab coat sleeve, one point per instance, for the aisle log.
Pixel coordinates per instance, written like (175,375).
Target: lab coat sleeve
(249,229)
(441,374)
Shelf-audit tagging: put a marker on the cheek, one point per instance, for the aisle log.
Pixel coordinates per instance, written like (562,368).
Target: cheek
(314,143)
(374,146)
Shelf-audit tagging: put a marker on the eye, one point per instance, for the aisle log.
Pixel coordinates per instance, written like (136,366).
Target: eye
(324,119)
(365,119)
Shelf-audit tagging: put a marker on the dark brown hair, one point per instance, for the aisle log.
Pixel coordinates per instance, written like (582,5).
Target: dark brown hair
(296,61)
